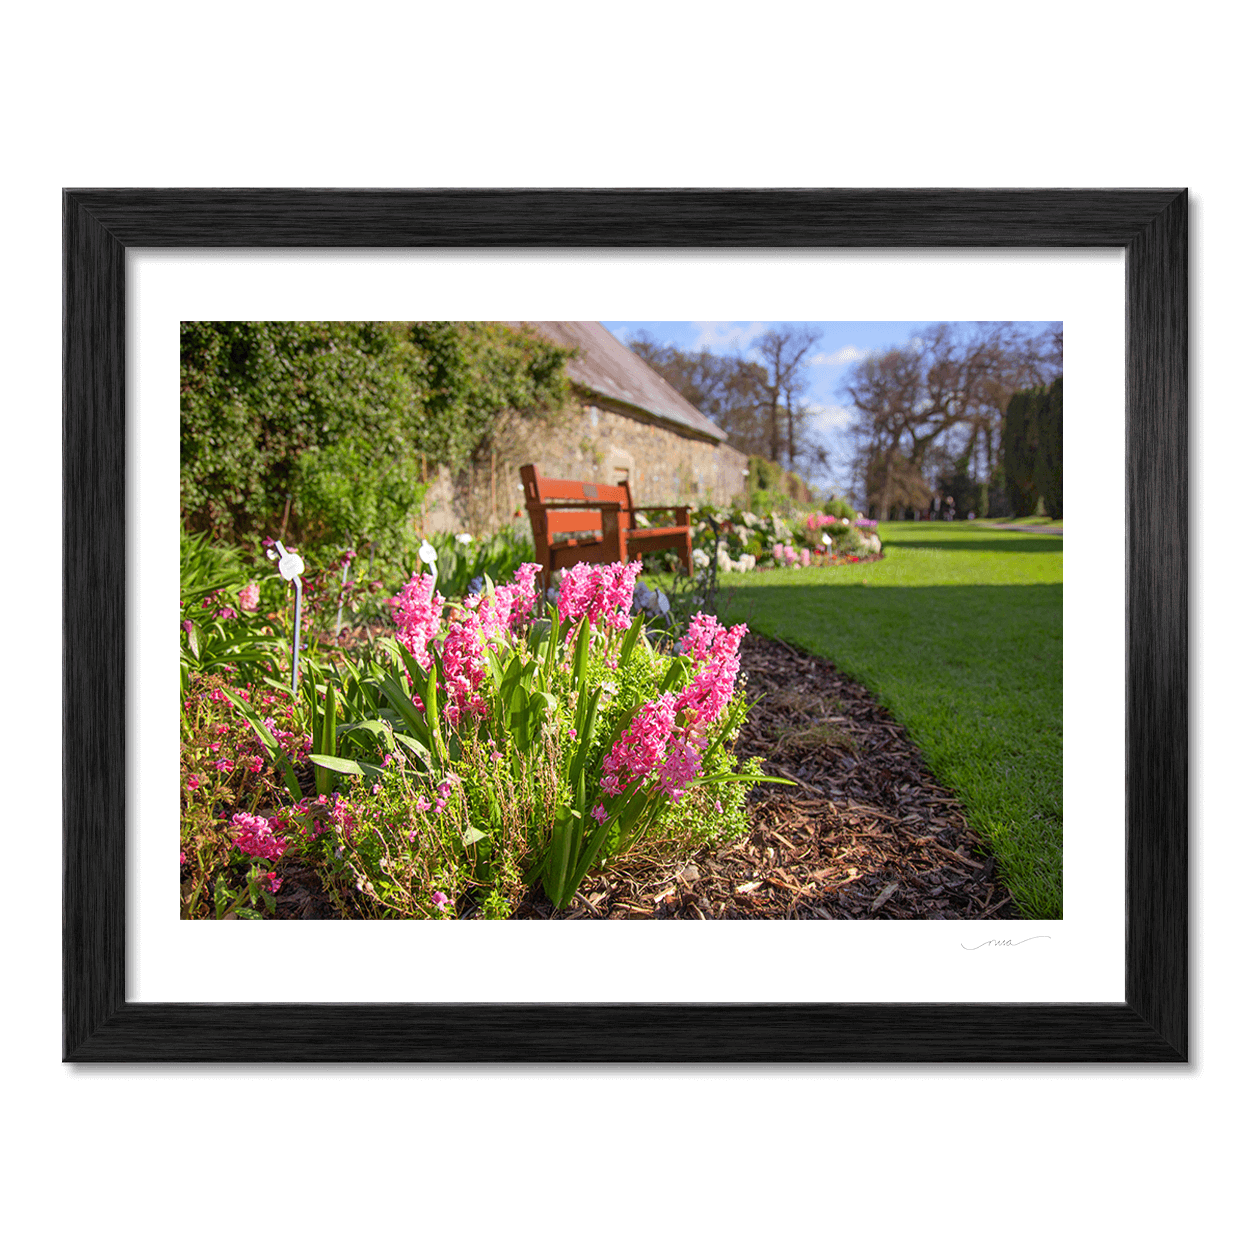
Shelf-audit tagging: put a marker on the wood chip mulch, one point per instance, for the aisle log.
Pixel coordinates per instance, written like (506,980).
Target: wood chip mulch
(865,833)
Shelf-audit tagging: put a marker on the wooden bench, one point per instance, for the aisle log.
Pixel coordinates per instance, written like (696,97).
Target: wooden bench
(562,512)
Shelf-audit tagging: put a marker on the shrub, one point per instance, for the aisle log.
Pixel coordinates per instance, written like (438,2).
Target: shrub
(355,493)
(273,412)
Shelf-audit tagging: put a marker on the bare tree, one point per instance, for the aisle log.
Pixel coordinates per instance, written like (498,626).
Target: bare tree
(942,394)
(737,393)
(782,351)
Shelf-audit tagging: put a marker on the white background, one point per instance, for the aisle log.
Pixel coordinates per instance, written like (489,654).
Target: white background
(661,95)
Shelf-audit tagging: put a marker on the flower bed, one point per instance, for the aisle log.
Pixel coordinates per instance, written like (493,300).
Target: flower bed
(489,747)
(738,541)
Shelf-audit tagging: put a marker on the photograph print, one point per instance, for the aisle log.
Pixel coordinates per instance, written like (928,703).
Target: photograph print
(575,620)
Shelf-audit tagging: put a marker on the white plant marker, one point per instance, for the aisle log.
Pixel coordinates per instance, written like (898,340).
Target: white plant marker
(429,556)
(291,565)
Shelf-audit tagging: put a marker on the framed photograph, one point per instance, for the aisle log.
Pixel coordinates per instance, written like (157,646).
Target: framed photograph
(103,779)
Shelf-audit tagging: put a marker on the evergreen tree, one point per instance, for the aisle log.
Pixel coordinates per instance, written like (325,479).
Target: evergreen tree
(1048,471)
(1020,425)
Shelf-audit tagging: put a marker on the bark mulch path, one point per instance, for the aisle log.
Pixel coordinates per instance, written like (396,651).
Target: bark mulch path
(866,832)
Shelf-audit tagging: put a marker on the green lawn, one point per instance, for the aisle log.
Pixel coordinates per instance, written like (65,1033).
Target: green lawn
(959,631)
(1022,520)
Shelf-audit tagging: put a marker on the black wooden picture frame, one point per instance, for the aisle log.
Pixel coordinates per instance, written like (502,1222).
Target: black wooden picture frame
(1151,1024)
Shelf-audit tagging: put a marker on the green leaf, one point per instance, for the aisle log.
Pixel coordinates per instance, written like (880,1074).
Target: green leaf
(431,714)
(581,654)
(419,749)
(402,703)
(631,637)
(560,855)
(676,674)
(328,737)
(593,850)
(553,643)
(585,732)
(739,777)
(336,764)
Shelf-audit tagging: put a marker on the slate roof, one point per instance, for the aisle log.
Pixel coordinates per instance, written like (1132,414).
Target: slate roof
(606,367)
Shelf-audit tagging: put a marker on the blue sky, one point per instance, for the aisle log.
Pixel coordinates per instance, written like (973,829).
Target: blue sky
(842,343)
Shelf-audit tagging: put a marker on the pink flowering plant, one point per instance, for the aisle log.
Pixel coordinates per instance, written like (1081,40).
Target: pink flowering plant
(499,743)
(837,535)
(493,745)
(232,798)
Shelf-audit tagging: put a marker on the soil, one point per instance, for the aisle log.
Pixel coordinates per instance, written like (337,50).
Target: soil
(865,832)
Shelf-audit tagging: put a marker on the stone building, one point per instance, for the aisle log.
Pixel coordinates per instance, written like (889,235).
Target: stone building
(624,421)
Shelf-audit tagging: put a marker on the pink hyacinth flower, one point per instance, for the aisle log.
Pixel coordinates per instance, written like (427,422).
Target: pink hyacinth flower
(643,745)
(249,597)
(525,594)
(599,592)
(417,612)
(713,650)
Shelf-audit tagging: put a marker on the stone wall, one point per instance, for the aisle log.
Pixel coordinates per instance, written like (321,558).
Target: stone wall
(592,440)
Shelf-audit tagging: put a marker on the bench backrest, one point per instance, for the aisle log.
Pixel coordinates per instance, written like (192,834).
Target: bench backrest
(544,490)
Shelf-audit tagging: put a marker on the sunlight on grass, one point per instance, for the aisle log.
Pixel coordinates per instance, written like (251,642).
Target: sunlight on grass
(959,632)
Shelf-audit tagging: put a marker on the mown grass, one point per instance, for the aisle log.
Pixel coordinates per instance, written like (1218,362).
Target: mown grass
(959,632)
(1022,520)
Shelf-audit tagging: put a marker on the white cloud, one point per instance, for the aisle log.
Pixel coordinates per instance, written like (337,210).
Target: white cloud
(830,418)
(717,336)
(843,356)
